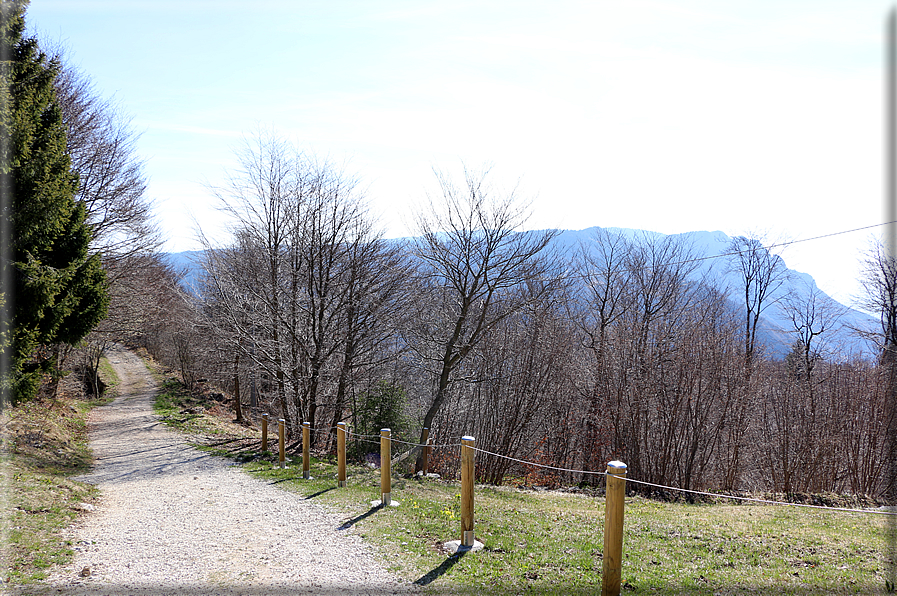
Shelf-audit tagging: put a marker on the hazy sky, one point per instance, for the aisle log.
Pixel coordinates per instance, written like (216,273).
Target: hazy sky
(667,116)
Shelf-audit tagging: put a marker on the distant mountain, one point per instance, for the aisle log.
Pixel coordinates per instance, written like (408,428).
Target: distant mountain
(774,326)
(187,265)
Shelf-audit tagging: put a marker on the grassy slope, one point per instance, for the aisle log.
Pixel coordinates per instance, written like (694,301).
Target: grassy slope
(44,445)
(551,542)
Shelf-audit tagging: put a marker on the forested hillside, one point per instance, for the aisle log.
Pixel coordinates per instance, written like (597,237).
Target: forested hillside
(849,338)
(566,348)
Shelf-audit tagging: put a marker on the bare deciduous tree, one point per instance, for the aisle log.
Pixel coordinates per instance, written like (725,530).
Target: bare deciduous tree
(515,375)
(477,265)
(306,288)
(761,274)
(879,281)
(596,303)
(375,301)
(247,278)
(111,180)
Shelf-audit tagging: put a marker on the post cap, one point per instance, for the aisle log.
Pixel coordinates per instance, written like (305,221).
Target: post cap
(384,430)
(616,464)
(467,438)
(281,420)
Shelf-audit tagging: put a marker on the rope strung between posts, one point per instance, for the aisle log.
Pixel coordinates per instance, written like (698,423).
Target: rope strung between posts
(371,440)
(695,492)
(366,439)
(529,463)
(763,501)
(317,429)
(350,433)
(430,445)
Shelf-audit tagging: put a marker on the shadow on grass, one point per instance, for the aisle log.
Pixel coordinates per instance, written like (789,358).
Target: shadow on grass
(219,443)
(64,460)
(436,573)
(364,515)
(319,493)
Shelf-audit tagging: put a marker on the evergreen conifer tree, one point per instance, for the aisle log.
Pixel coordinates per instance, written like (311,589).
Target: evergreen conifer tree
(59,290)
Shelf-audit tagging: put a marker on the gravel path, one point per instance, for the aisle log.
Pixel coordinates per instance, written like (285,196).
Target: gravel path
(173,520)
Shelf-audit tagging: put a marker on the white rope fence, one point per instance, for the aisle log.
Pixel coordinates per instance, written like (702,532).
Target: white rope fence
(377,439)
(615,492)
(764,501)
(529,463)
(695,492)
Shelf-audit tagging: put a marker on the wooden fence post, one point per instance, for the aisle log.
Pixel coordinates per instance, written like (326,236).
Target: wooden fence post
(615,496)
(341,454)
(282,447)
(425,457)
(467,469)
(306,464)
(264,433)
(385,475)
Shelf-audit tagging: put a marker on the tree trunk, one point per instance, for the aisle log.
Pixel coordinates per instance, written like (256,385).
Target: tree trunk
(441,393)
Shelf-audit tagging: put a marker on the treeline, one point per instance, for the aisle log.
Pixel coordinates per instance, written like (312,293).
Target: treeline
(619,351)
(77,233)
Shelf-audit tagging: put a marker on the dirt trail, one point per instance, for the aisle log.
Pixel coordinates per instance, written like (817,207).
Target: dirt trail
(173,520)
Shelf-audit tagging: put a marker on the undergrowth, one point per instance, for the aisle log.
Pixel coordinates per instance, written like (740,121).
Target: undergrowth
(44,446)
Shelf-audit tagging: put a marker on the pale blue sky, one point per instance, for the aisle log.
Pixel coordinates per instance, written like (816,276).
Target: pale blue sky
(666,116)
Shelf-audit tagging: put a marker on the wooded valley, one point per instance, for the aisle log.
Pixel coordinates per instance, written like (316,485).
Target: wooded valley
(616,350)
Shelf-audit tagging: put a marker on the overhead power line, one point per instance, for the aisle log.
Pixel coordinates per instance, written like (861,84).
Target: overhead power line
(771,246)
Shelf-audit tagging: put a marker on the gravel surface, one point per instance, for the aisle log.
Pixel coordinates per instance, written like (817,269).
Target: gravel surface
(173,520)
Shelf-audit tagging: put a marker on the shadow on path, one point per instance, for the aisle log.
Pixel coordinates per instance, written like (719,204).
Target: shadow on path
(272,589)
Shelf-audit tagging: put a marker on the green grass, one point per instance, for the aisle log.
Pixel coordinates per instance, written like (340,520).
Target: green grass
(45,445)
(39,509)
(551,542)
(113,383)
(178,408)
(541,542)
(171,402)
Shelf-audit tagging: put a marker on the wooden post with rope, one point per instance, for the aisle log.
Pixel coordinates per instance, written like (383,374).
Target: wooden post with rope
(306,464)
(282,443)
(615,496)
(341,454)
(467,469)
(385,472)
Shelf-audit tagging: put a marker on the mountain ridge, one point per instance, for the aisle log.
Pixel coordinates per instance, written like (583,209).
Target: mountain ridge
(709,249)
